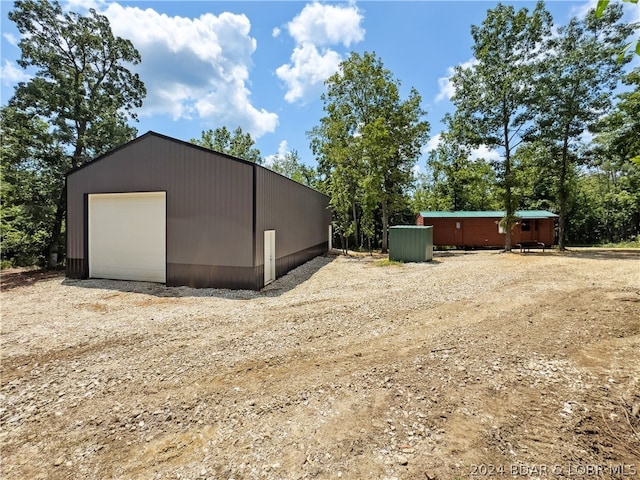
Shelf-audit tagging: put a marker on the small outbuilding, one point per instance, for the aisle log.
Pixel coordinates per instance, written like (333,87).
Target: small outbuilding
(162,210)
(481,229)
(410,243)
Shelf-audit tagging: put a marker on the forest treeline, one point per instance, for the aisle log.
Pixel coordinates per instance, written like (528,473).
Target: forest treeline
(546,117)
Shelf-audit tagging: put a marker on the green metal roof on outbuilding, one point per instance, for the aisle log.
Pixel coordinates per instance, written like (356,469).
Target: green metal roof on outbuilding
(526,214)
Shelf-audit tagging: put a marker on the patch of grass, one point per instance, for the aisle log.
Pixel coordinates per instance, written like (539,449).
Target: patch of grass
(4,264)
(386,263)
(632,243)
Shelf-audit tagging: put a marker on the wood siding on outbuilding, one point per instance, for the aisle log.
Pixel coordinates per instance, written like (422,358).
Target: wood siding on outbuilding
(481,232)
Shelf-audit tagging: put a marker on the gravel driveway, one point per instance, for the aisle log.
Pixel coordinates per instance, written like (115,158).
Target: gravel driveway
(475,363)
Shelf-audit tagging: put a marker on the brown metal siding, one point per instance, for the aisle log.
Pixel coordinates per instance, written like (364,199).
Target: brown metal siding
(299,215)
(209,202)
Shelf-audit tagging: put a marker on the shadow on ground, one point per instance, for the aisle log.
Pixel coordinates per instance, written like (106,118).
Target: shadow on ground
(591,253)
(282,285)
(10,279)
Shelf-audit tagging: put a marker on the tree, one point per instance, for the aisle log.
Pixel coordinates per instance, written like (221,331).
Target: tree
(339,166)
(459,182)
(29,173)
(368,142)
(292,167)
(612,182)
(579,72)
(239,144)
(492,97)
(82,89)
(619,131)
(601,7)
(535,178)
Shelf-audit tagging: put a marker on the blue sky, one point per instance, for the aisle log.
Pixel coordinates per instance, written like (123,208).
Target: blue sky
(261,64)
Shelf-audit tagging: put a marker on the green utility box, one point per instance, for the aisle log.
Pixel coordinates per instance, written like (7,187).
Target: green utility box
(411,243)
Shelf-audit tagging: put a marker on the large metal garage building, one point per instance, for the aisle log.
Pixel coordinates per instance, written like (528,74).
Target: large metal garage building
(163,210)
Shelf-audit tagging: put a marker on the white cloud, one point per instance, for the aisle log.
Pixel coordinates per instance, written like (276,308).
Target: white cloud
(314,29)
(276,32)
(322,24)
(432,144)
(194,68)
(582,9)
(307,71)
(482,152)
(82,5)
(485,153)
(586,137)
(447,89)
(11,38)
(12,73)
(283,149)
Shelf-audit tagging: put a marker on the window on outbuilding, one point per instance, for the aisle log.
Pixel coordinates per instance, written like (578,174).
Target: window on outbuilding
(526,226)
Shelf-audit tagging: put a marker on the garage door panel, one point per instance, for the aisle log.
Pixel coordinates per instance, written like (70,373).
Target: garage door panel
(127,236)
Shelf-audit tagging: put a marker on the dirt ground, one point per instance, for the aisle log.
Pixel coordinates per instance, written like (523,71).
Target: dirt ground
(477,364)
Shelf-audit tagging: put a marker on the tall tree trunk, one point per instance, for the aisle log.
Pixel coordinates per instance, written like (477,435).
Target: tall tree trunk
(507,186)
(385,227)
(53,249)
(562,193)
(509,211)
(355,223)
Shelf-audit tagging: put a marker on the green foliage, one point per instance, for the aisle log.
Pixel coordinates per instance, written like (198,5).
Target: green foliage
(83,94)
(535,178)
(388,263)
(528,94)
(239,145)
(600,8)
(633,243)
(610,188)
(532,95)
(493,96)
(618,133)
(82,86)
(292,167)
(455,181)
(367,144)
(30,173)
(576,78)
(603,211)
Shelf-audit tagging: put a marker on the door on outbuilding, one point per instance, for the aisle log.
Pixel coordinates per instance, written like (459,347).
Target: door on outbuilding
(127,236)
(269,256)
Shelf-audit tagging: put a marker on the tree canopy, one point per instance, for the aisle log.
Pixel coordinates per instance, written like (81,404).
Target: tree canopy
(367,144)
(577,76)
(493,96)
(290,165)
(82,90)
(557,105)
(238,144)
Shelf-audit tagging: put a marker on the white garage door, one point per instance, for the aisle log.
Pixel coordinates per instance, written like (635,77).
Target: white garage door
(127,236)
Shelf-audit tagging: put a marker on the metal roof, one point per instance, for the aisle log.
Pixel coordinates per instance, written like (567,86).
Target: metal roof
(526,214)
(410,226)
